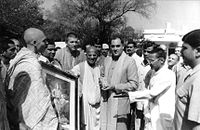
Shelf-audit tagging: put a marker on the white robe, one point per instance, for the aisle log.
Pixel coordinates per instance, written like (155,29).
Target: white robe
(91,95)
(162,101)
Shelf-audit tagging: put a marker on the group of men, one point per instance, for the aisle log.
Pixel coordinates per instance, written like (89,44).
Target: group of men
(172,88)
(109,81)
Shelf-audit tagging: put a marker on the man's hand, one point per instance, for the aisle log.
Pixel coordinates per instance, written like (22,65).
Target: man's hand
(23,126)
(108,87)
(105,85)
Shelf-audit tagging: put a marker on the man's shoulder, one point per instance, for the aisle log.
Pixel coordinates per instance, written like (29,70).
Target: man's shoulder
(82,54)
(167,73)
(29,64)
(63,50)
(30,67)
(129,60)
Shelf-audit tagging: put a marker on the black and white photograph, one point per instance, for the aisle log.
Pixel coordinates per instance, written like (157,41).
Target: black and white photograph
(99,64)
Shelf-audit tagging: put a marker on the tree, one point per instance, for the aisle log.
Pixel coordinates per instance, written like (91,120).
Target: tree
(96,20)
(128,33)
(18,15)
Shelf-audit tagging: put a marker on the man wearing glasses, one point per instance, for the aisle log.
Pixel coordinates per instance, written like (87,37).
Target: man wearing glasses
(160,94)
(69,56)
(29,104)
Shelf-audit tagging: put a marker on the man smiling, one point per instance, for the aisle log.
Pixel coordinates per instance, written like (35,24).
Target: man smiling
(161,93)
(121,76)
(89,74)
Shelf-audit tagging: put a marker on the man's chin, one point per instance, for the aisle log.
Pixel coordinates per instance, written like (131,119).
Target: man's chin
(170,64)
(185,62)
(91,63)
(116,54)
(13,56)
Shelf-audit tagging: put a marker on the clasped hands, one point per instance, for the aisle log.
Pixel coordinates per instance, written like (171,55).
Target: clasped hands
(105,85)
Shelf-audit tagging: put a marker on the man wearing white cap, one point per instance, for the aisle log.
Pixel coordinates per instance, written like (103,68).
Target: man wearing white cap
(105,49)
(103,54)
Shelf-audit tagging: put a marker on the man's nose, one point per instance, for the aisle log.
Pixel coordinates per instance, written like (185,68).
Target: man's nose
(115,48)
(91,57)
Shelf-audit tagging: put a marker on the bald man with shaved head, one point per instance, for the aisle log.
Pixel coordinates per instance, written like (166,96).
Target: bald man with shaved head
(35,40)
(29,101)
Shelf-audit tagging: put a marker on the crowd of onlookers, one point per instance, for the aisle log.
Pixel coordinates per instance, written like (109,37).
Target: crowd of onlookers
(122,85)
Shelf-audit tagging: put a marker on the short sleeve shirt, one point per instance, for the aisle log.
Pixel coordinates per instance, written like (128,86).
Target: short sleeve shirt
(188,102)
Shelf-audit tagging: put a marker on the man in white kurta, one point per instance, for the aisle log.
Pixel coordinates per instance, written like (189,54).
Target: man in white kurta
(89,90)
(161,94)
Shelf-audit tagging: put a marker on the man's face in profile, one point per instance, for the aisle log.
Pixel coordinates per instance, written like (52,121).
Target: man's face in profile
(147,52)
(41,45)
(10,52)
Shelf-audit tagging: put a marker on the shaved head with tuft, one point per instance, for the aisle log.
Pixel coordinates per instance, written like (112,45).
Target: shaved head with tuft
(33,35)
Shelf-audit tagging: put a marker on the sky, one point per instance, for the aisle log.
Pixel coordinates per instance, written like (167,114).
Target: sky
(49,3)
(183,15)
(180,14)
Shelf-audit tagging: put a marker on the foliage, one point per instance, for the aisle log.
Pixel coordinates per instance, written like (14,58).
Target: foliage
(97,20)
(18,15)
(129,32)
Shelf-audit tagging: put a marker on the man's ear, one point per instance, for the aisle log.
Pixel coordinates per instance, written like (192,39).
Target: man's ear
(162,60)
(197,52)
(3,53)
(33,43)
(123,46)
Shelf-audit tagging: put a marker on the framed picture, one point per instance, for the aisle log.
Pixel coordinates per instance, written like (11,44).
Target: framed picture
(64,96)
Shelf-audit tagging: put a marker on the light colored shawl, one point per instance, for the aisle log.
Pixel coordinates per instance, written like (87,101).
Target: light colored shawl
(37,102)
(91,88)
(67,60)
(109,109)
(91,97)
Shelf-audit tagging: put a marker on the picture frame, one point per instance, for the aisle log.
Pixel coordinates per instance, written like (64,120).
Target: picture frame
(63,87)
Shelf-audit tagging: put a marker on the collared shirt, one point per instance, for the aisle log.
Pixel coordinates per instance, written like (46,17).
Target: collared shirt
(188,102)
(142,70)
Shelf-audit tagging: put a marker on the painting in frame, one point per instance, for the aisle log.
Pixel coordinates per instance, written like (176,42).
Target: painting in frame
(63,87)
